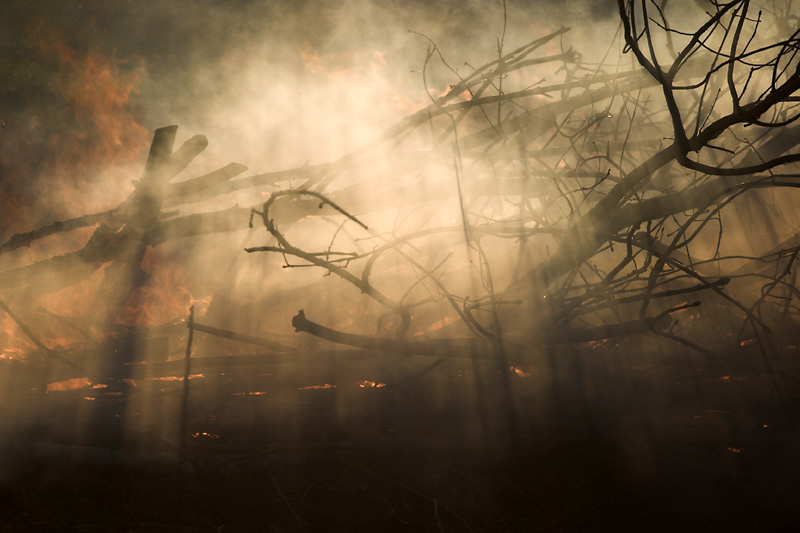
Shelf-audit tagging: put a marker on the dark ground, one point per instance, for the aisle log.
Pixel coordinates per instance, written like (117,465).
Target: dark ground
(591,440)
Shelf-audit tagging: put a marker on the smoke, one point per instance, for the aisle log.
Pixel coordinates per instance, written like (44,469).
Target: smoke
(274,86)
(260,75)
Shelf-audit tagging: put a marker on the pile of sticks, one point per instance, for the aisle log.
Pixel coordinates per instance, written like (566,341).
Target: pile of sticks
(606,205)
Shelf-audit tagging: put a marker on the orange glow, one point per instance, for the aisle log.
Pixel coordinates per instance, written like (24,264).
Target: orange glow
(95,92)
(95,89)
(71,302)
(69,384)
(520,372)
(370,384)
(439,324)
(100,94)
(176,378)
(205,435)
(464,95)
(164,297)
(325,386)
(11,354)
(733,450)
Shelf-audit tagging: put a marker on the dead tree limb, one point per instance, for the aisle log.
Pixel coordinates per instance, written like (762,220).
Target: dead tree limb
(240,337)
(439,348)
(25,239)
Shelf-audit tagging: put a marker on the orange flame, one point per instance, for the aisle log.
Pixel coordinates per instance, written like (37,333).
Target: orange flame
(520,372)
(164,297)
(99,94)
(87,125)
(325,386)
(366,384)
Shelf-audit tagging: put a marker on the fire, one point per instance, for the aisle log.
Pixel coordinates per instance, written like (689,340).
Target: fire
(10,354)
(520,372)
(69,384)
(324,386)
(176,378)
(463,96)
(56,171)
(437,325)
(99,93)
(93,95)
(75,300)
(164,297)
(14,343)
(205,435)
(370,384)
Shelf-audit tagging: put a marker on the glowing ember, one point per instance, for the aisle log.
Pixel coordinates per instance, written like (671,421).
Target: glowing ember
(204,435)
(439,324)
(11,354)
(520,372)
(325,386)
(370,384)
(176,378)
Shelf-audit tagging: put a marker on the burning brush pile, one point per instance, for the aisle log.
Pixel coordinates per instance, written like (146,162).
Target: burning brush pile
(551,251)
